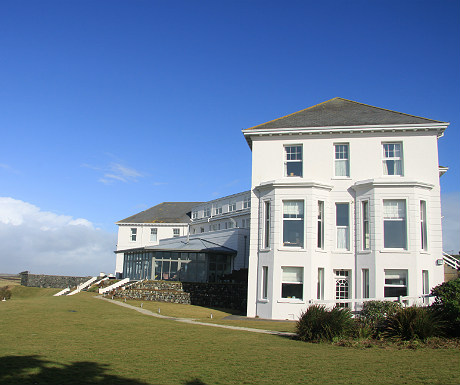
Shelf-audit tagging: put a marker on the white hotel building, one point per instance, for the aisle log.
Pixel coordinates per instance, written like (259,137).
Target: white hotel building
(344,204)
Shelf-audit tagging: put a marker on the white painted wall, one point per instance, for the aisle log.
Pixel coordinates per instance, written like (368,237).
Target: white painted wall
(420,181)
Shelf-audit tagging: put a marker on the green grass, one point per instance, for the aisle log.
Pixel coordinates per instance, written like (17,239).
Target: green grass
(203,314)
(82,340)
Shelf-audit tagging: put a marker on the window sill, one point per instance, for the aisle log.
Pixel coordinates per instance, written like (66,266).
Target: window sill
(263,301)
(342,252)
(340,178)
(425,252)
(321,251)
(400,251)
(291,300)
(364,252)
(264,250)
(291,249)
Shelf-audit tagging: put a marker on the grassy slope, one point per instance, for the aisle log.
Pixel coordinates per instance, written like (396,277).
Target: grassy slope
(120,346)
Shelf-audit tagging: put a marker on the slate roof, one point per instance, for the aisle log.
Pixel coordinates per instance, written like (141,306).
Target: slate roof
(195,245)
(166,212)
(342,112)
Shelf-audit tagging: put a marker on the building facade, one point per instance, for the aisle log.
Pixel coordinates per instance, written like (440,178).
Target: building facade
(186,241)
(345,206)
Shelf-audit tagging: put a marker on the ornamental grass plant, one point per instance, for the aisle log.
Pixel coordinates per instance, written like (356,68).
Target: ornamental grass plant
(413,323)
(318,324)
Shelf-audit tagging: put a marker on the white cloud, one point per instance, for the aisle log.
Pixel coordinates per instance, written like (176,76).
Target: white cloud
(451,222)
(116,172)
(48,243)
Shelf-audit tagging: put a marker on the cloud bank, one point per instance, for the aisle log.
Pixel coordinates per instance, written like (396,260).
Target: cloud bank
(46,243)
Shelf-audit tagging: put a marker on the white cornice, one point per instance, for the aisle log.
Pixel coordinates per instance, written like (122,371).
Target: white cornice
(438,127)
(151,224)
(282,183)
(390,183)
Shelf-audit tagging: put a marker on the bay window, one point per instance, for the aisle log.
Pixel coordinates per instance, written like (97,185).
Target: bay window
(293,226)
(292,282)
(394,224)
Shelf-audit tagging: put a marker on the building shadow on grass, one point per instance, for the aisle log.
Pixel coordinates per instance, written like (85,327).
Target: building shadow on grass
(33,369)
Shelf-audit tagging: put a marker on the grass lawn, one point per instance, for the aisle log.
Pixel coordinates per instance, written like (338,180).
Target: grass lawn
(81,340)
(203,314)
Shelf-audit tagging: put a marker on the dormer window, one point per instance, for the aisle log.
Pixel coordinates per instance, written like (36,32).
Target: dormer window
(293,160)
(207,212)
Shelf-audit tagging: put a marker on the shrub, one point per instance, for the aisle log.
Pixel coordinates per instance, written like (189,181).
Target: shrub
(319,324)
(447,305)
(5,293)
(374,315)
(413,323)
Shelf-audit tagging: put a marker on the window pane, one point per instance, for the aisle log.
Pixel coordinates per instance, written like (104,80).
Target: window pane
(292,274)
(292,290)
(294,168)
(342,214)
(293,233)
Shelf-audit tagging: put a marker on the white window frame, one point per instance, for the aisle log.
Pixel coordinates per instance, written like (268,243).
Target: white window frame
(293,152)
(390,155)
(264,288)
(423,227)
(320,226)
(301,217)
(133,234)
(232,206)
(206,212)
(218,209)
(387,218)
(285,281)
(342,155)
(365,283)
(153,234)
(342,278)
(388,273)
(426,286)
(247,203)
(320,284)
(342,227)
(176,232)
(366,229)
(194,214)
(267,225)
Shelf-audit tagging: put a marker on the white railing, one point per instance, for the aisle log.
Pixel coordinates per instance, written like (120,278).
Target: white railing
(357,303)
(83,285)
(114,286)
(451,261)
(62,292)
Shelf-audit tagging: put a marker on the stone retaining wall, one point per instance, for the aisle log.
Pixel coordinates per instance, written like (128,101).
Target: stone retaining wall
(53,281)
(221,295)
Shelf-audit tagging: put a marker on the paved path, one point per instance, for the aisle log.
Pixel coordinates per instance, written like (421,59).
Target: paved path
(193,322)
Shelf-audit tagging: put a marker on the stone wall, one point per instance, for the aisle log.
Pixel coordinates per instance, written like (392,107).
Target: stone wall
(53,281)
(220,295)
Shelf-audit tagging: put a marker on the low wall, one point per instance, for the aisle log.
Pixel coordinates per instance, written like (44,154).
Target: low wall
(220,295)
(53,281)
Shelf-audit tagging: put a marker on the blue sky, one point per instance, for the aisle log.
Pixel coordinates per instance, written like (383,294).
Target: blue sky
(110,107)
